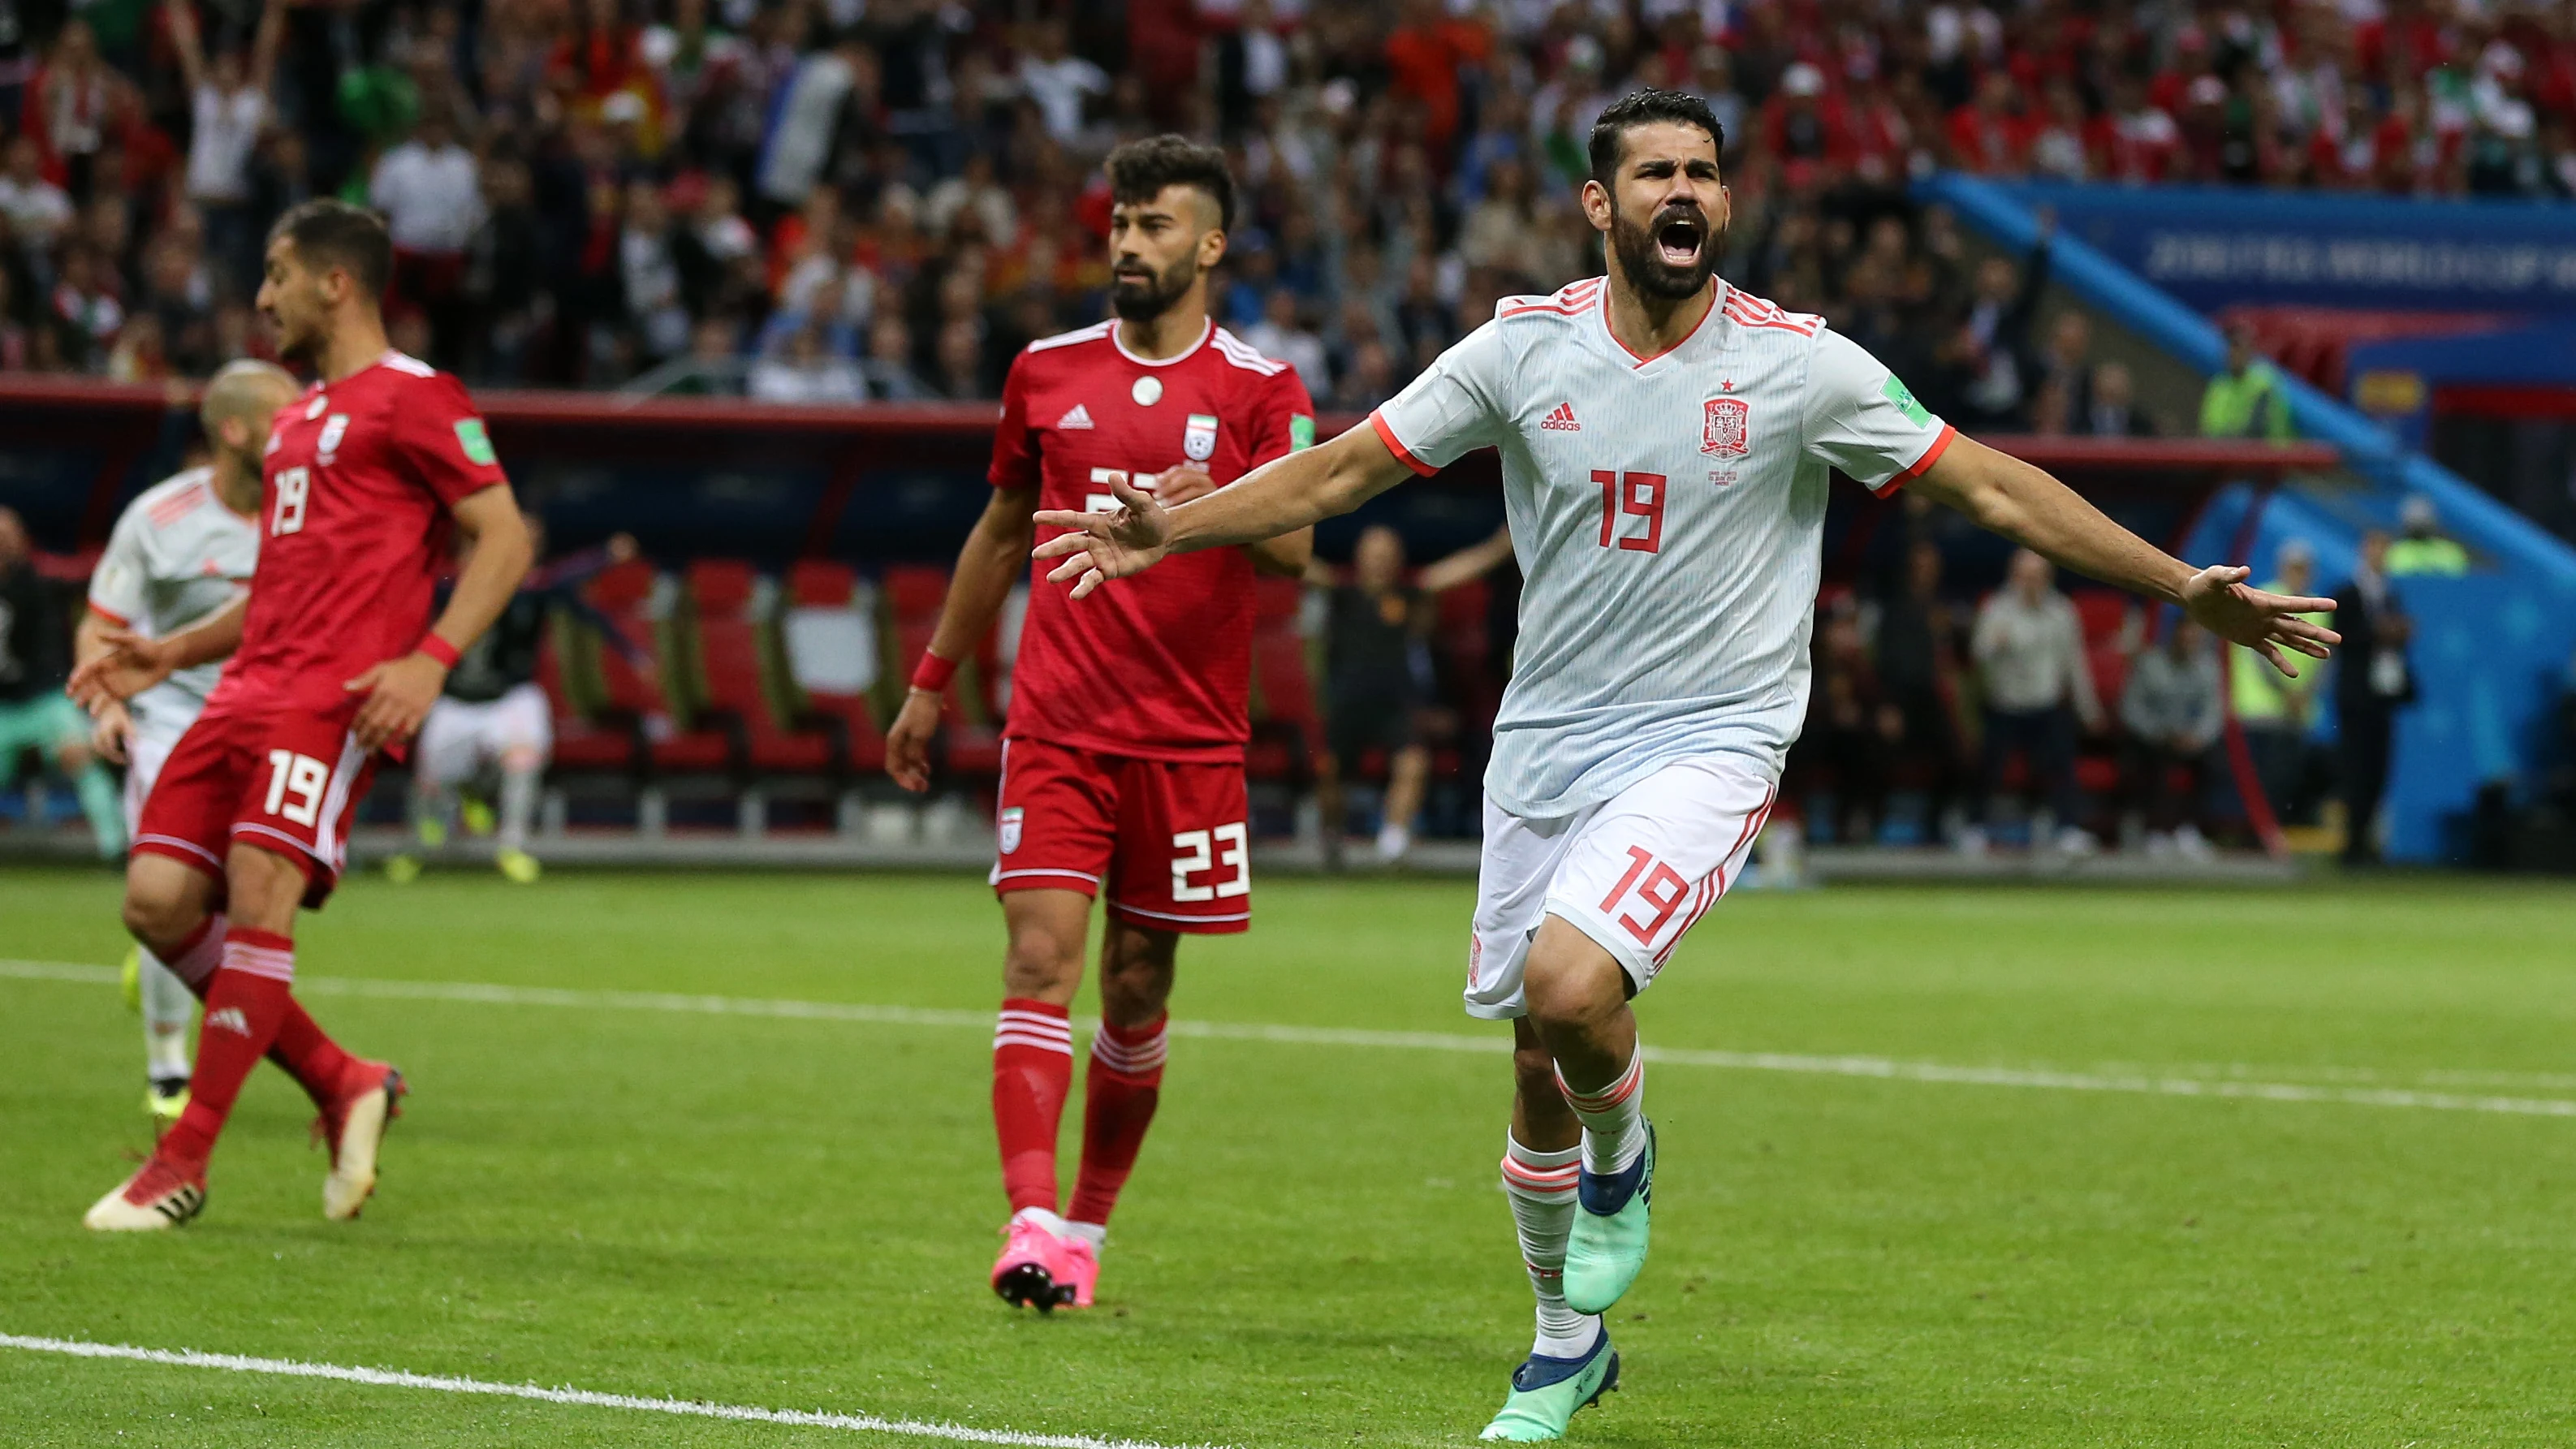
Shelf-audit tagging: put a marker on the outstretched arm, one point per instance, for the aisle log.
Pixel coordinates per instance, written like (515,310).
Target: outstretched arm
(1286,557)
(264,45)
(2026,505)
(1282,496)
(190,46)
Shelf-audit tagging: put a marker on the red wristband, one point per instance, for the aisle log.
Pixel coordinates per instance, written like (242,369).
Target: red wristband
(438,649)
(933,672)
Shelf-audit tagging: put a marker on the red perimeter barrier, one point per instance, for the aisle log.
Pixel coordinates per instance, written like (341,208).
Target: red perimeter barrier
(126,424)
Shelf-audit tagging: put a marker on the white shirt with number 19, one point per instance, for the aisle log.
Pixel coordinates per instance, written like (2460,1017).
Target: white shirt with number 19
(1668,513)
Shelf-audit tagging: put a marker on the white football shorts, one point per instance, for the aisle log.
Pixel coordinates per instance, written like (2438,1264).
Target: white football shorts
(1633,872)
(459,739)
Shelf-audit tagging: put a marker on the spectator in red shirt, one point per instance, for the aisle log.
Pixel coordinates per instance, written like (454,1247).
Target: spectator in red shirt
(1804,126)
(2134,142)
(1880,140)
(1424,57)
(1985,134)
(2408,33)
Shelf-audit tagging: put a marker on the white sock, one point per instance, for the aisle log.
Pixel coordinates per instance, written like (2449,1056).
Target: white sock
(518,807)
(1393,841)
(168,1007)
(1614,1118)
(1540,1187)
(1096,1234)
(1044,1218)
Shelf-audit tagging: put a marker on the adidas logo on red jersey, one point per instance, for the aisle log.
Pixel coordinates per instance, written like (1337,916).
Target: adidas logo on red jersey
(1080,417)
(1562,420)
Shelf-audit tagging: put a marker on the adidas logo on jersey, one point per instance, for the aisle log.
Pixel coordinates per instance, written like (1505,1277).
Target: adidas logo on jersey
(228,1018)
(1080,417)
(1562,420)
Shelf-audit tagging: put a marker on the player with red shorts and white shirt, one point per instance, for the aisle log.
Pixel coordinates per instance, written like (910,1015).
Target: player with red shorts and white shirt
(1122,773)
(367,477)
(1667,442)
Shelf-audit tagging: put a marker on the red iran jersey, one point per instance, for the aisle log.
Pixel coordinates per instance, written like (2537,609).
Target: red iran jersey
(354,528)
(1158,666)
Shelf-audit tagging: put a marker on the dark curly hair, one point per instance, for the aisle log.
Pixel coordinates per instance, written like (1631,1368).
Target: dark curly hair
(1139,170)
(1646,108)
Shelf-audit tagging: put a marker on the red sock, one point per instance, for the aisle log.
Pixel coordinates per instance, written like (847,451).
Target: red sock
(306,1052)
(302,1049)
(1032,1073)
(244,1004)
(1119,1091)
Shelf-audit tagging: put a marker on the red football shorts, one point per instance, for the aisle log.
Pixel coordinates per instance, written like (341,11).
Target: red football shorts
(1167,839)
(286,781)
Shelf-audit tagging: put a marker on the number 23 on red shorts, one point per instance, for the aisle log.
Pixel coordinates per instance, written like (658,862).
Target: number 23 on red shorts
(1162,842)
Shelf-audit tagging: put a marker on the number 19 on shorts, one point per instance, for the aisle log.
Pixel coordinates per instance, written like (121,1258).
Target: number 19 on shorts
(295,786)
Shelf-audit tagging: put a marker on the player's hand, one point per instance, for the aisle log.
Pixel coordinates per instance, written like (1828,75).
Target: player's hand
(111,728)
(399,693)
(1103,546)
(130,665)
(2219,600)
(1180,483)
(908,743)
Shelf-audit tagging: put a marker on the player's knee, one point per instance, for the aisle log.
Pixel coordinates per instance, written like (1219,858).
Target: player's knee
(1136,974)
(157,917)
(1042,964)
(1572,987)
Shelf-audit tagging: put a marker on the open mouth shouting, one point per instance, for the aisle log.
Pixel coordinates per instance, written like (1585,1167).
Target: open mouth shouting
(1680,232)
(1671,256)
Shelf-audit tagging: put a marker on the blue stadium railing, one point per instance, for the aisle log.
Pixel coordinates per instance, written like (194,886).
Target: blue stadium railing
(2493,652)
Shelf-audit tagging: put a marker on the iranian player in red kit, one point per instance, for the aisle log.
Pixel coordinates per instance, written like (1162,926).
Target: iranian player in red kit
(1122,767)
(368,476)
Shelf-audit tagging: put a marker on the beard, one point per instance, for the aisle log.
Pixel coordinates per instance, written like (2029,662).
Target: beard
(1142,299)
(1641,252)
(293,345)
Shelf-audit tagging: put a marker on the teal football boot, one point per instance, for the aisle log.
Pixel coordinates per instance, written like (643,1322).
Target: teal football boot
(1607,1249)
(1546,1392)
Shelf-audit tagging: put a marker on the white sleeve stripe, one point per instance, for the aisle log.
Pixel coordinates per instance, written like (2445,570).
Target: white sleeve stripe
(1091,333)
(1244,355)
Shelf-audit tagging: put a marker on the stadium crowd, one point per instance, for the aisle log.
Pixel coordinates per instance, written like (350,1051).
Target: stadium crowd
(881,199)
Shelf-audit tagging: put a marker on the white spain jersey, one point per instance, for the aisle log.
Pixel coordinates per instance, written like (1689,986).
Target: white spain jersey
(1668,513)
(176,556)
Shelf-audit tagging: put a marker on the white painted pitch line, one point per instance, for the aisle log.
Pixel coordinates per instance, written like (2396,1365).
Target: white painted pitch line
(439,1383)
(2139,1082)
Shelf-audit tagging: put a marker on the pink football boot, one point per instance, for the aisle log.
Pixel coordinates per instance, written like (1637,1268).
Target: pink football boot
(1035,1268)
(1081,1269)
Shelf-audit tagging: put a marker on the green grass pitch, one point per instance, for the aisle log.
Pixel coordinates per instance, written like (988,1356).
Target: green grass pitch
(798,1213)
